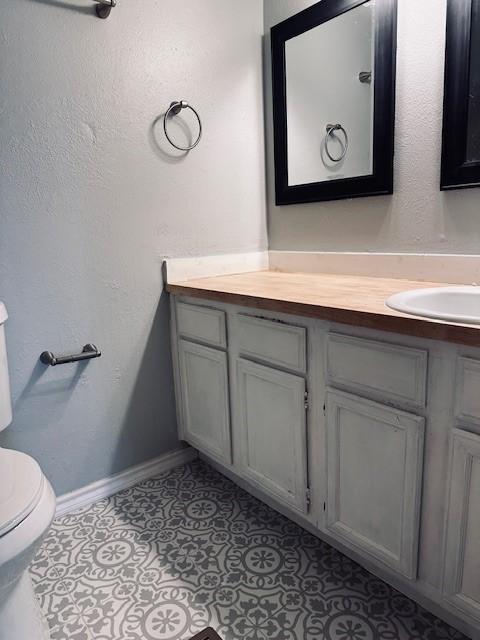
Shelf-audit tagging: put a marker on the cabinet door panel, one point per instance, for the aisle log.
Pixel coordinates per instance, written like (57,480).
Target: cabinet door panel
(374,466)
(467,400)
(205,399)
(462,557)
(273,431)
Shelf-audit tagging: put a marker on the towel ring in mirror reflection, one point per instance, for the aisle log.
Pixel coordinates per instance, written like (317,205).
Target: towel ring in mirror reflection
(331,129)
(173,110)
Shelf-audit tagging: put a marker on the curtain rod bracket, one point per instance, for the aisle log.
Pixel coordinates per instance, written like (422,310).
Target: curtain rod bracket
(104,7)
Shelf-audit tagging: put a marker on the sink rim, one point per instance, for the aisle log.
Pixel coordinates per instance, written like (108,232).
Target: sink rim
(403,300)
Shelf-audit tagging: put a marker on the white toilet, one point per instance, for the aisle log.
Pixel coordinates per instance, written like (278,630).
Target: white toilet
(27,508)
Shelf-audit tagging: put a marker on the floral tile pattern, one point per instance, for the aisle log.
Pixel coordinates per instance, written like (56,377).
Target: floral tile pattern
(189,549)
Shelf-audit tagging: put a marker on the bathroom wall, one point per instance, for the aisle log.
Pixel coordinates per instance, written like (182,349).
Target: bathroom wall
(417,217)
(91,199)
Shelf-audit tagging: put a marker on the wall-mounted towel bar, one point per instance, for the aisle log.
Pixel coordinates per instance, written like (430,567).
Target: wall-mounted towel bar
(89,351)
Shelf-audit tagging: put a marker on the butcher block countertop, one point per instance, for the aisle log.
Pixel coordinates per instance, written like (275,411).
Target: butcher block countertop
(352,300)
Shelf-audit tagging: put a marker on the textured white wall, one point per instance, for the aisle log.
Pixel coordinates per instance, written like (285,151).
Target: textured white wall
(418,217)
(89,204)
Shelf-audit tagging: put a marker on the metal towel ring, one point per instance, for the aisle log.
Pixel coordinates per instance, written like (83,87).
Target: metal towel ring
(330,129)
(174,109)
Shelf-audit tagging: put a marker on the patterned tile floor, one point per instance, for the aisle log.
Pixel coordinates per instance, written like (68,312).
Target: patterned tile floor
(189,549)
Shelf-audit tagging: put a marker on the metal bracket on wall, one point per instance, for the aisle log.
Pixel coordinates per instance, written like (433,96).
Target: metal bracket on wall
(104,7)
(365,77)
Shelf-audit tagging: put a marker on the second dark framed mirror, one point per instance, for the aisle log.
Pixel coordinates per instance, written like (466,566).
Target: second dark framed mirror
(461,106)
(333,67)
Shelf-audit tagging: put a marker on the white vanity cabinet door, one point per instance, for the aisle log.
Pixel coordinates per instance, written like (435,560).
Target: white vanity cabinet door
(205,399)
(272,419)
(374,467)
(461,585)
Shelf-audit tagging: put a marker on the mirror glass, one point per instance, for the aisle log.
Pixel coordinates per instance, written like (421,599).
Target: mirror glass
(461,103)
(473,123)
(329,81)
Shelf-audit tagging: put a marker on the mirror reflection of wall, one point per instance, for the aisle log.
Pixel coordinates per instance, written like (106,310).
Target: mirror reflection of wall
(329,80)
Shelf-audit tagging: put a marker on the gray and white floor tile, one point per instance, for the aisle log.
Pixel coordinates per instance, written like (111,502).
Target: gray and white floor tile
(189,549)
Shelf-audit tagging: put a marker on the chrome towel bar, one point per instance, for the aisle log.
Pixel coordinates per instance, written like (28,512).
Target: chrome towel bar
(89,351)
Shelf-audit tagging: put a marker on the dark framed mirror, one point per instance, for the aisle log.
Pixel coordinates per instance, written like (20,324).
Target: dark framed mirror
(333,68)
(461,105)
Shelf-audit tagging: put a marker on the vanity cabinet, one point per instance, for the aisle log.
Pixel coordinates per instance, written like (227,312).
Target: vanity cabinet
(368,439)
(272,428)
(204,393)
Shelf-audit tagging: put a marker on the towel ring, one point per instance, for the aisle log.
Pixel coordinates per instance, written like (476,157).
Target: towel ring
(174,109)
(330,129)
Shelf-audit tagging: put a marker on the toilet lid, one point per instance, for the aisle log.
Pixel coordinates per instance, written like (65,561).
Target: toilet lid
(21,484)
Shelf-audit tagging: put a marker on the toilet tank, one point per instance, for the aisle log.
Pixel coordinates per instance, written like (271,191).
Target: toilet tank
(5,399)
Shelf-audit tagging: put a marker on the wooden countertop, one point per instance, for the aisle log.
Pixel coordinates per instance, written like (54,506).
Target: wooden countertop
(353,300)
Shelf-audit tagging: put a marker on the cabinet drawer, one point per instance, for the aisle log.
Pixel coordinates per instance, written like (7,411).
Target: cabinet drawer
(467,400)
(280,344)
(381,370)
(201,323)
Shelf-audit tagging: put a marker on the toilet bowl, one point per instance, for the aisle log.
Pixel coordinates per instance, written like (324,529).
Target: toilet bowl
(27,508)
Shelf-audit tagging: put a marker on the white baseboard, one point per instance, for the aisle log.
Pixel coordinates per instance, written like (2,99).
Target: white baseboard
(123,480)
(180,269)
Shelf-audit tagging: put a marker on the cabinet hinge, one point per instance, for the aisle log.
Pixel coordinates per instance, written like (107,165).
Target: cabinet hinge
(308,498)
(307,401)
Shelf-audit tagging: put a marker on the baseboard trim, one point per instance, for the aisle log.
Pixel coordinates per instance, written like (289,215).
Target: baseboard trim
(123,480)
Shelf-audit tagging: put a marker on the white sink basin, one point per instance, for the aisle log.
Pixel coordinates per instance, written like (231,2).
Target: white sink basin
(453,304)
